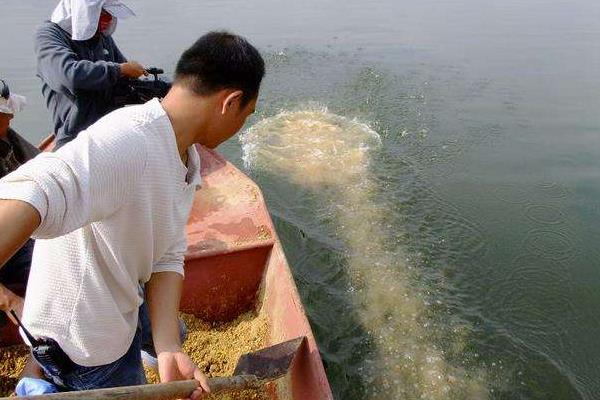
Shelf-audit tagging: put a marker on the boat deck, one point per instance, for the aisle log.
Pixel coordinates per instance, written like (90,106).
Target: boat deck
(234,264)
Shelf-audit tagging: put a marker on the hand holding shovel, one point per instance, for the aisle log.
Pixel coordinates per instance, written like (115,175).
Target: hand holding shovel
(252,370)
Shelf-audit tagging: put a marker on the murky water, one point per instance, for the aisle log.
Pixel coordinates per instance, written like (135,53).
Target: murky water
(432,169)
(325,158)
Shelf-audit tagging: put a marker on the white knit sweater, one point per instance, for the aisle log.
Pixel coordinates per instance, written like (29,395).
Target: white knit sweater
(114,204)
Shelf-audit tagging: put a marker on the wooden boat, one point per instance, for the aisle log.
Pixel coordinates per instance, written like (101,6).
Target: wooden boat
(235,263)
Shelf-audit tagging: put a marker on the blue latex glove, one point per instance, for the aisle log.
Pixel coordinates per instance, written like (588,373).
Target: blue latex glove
(33,386)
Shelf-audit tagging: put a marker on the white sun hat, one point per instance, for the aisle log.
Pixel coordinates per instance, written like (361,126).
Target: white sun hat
(117,9)
(10,103)
(80,17)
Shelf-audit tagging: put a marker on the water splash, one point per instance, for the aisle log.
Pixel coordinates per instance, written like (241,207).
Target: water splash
(329,156)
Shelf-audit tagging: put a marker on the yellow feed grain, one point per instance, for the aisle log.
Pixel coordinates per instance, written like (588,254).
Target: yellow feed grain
(215,348)
(12,362)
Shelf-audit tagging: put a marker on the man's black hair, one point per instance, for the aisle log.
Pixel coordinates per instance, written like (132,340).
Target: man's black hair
(221,60)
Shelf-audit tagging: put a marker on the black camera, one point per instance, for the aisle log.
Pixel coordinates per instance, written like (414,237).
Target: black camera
(139,91)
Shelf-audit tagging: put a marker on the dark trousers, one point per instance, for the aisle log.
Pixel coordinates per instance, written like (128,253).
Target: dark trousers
(127,370)
(15,272)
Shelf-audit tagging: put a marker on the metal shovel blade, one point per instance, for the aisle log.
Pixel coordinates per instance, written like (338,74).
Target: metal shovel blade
(271,362)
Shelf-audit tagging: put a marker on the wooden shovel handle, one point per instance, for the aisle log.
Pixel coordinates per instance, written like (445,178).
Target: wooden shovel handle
(160,391)
(222,383)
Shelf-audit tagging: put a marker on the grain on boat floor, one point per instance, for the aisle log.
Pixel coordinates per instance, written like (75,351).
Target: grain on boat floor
(12,362)
(214,347)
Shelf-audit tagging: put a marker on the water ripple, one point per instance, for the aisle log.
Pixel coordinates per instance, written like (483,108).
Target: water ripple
(544,214)
(554,245)
(511,193)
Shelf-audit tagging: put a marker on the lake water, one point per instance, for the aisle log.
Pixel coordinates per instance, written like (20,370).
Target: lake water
(432,169)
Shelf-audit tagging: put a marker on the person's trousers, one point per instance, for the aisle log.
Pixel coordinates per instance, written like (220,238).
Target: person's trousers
(14,274)
(127,370)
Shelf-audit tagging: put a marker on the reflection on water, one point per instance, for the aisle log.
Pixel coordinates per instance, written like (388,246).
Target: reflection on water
(327,156)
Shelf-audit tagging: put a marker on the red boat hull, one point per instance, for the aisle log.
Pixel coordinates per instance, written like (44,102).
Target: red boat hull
(235,263)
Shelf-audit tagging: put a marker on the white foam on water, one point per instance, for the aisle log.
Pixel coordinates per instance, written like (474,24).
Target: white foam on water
(329,155)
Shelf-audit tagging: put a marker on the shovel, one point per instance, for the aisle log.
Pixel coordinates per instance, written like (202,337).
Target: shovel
(252,370)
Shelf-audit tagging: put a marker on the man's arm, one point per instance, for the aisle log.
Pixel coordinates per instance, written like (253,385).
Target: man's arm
(163,292)
(10,301)
(18,220)
(56,193)
(85,181)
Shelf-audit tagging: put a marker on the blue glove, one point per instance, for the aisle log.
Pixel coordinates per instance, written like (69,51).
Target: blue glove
(33,386)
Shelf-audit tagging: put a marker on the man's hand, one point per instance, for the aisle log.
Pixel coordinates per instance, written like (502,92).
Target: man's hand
(132,69)
(163,291)
(10,301)
(176,366)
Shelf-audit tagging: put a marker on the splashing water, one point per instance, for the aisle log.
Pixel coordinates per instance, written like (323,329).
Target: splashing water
(328,155)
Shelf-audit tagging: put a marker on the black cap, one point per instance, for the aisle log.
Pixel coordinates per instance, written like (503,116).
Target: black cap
(4,90)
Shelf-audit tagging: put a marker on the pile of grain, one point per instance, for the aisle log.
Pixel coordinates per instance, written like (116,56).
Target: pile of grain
(217,347)
(12,362)
(214,347)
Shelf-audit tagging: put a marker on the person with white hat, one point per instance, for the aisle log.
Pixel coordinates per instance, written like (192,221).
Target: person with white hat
(110,209)
(14,151)
(80,64)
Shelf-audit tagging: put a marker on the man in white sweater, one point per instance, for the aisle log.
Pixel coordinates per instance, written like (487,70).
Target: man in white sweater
(109,211)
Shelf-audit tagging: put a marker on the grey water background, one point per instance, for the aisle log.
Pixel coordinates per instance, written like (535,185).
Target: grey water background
(489,117)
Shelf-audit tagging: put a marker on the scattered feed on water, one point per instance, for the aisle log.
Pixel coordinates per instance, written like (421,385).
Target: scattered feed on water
(214,347)
(324,159)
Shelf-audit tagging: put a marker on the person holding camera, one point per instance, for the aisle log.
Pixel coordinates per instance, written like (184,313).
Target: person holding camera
(80,64)
(110,210)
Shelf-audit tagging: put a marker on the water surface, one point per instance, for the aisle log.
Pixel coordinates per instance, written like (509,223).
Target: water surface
(454,257)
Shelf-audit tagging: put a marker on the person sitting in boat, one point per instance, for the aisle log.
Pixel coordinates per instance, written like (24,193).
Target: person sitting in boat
(112,207)
(14,152)
(79,63)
